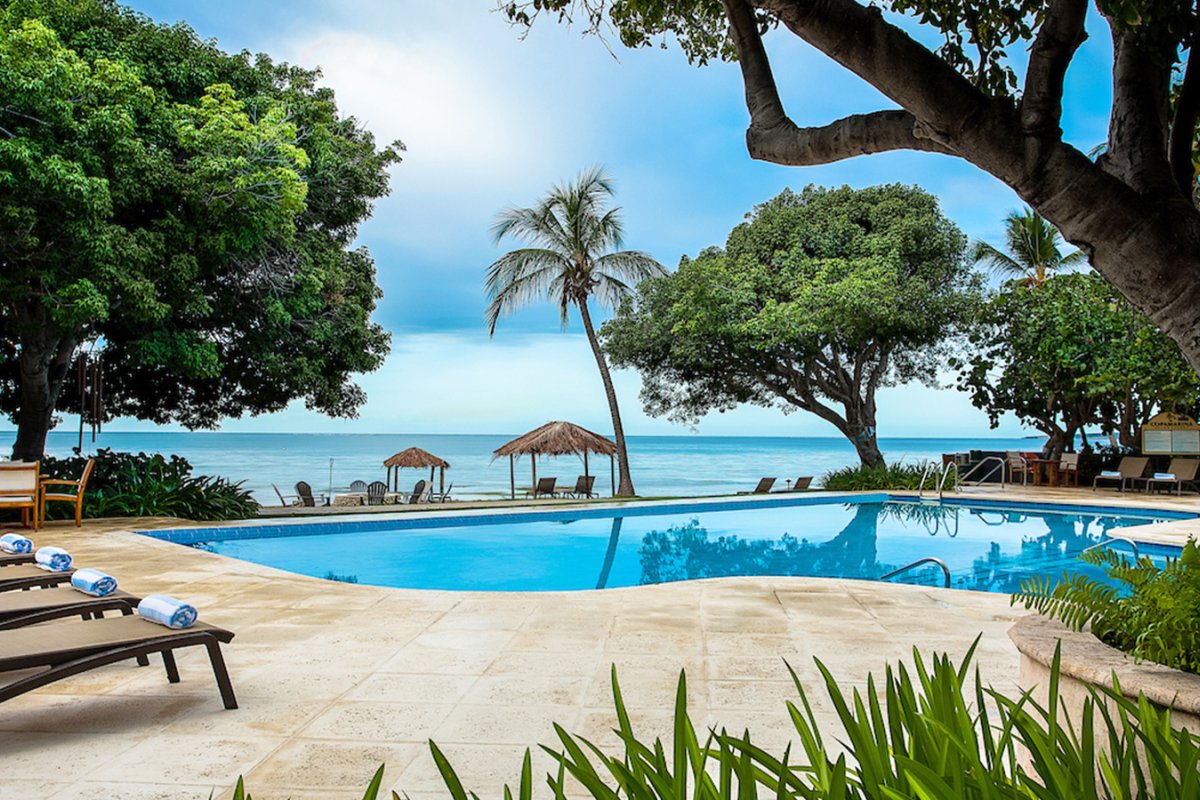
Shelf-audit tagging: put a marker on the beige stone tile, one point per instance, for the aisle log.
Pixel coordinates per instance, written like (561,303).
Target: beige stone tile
(534,663)
(57,757)
(482,768)
(382,721)
(283,681)
(124,790)
(751,695)
(336,765)
(544,690)
(272,717)
(440,660)
(188,759)
(413,688)
(580,639)
(103,714)
(513,724)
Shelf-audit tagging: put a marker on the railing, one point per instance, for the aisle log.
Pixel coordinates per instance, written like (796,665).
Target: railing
(946,470)
(931,469)
(920,562)
(1132,544)
(1000,465)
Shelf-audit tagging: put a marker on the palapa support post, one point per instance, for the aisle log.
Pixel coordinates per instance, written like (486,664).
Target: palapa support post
(512,476)
(585,471)
(442,481)
(533,466)
(612,476)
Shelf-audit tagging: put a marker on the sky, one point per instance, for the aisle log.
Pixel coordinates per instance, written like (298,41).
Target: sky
(492,119)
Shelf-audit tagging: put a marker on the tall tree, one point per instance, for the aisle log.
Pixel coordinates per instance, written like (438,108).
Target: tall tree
(571,230)
(188,212)
(1033,250)
(818,301)
(1132,211)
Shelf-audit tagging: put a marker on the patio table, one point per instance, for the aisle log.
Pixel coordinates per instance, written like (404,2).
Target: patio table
(352,499)
(1051,468)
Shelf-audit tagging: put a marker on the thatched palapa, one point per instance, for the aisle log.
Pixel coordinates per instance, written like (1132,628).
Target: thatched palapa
(554,439)
(418,458)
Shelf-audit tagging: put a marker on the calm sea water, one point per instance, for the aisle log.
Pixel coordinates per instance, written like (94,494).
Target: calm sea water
(661,465)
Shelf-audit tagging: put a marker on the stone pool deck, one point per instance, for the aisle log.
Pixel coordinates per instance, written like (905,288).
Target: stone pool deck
(334,679)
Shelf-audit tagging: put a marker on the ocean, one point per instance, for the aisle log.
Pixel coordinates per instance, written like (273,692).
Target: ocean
(661,465)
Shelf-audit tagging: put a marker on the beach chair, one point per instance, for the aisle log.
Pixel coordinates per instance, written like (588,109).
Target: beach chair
(70,648)
(1181,470)
(802,483)
(18,609)
(375,492)
(307,498)
(286,500)
(420,493)
(74,497)
(20,489)
(27,576)
(1018,464)
(1130,468)
(12,559)
(358,487)
(441,497)
(1068,469)
(764,486)
(583,486)
(544,488)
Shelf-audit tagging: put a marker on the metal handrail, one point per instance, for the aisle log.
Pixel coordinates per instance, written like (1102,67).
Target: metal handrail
(1111,539)
(1001,463)
(929,469)
(946,470)
(917,563)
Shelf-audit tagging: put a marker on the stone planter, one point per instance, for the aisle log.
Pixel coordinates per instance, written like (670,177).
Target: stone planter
(1086,662)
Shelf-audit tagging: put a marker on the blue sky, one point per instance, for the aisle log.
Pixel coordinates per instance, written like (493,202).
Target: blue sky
(491,120)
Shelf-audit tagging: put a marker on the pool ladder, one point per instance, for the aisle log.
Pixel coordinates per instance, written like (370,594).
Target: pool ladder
(921,562)
(1107,542)
(931,470)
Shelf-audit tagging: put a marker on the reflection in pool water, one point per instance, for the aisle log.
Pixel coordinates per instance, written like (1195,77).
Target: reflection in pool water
(986,549)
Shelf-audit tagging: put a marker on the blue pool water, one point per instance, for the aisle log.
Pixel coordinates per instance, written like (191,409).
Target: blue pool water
(987,547)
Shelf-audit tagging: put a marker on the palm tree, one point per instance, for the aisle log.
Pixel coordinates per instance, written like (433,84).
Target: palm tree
(570,232)
(1032,250)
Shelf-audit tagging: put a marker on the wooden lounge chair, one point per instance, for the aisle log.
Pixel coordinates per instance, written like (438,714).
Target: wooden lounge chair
(375,492)
(802,483)
(1184,470)
(70,648)
(764,486)
(420,493)
(20,490)
(307,498)
(12,559)
(27,576)
(544,488)
(18,609)
(74,497)
(1130,468)
(583,486)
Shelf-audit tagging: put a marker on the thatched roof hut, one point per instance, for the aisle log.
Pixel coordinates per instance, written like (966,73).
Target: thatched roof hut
(554,439)
(415,457)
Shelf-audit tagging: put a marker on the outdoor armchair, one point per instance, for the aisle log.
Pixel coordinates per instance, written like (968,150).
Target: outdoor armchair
(74,497)
(19,489)
(1130,469)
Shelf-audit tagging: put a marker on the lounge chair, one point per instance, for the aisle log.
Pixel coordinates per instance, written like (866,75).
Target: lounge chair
(70,648)
(12,559)
(764,486)
(20,489)
(420,493)
(544,488)
(358,487)
(74,497)
(286,500)
(583,486)
(375,492)
(1182,471)
(1068,468)
(18,609)
(27,576)
(802,483)
(441,497)
(1130,469)
(307,498)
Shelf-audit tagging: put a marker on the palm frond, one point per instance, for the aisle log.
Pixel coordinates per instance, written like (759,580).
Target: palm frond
(519,278)
(996,260)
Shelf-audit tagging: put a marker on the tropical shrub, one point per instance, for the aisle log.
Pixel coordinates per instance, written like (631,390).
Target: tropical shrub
(883,476)
(149,485)
(932,733)
(1153,614)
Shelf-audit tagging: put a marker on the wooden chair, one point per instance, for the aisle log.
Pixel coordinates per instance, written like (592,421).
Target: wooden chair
(583,487)
(375,492)
(1018,465)
(20,489)
(544,488)
(307,498)
(358,487)
(420,493)
(1068,469)
(75,497)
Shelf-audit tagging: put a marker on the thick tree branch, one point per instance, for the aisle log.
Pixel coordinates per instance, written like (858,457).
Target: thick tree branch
(1183,127)
(1060,36)
(1137,129)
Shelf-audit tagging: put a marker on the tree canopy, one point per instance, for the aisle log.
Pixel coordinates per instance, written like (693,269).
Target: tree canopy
(191,212)
(816,302)
(990,93)
(1072,353)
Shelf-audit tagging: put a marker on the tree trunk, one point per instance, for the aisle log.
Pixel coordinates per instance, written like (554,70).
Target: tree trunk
(625,482)
(43,366)
(860,430)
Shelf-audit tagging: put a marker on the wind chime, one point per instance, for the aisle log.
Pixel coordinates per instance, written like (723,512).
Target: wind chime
(91,393)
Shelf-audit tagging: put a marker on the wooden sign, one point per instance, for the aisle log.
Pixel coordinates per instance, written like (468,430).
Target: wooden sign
(1169,433)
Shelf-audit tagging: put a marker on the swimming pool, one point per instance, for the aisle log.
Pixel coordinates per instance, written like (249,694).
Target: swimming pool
(987,546)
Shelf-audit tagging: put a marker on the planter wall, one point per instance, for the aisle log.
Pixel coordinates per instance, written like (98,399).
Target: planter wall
(1086,662)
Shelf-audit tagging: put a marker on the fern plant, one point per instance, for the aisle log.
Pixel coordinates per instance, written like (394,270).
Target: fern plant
(1150,612)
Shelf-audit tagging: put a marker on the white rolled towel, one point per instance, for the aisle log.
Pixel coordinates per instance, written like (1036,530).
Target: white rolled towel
(52,559)
(16,543)
(167,611)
